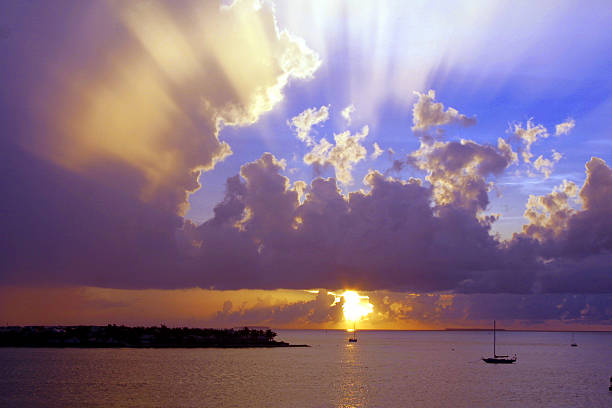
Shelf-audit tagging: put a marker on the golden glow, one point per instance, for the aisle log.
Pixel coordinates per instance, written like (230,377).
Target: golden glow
(163,39)
(356,306)
(155,102)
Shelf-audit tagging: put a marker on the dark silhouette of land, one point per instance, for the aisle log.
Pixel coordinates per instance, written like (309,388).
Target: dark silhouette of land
(139,337)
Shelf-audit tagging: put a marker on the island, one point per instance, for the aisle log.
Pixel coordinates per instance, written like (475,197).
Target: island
(113,336)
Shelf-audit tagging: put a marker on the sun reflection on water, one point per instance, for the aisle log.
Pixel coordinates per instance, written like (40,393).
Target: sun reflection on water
(354,389)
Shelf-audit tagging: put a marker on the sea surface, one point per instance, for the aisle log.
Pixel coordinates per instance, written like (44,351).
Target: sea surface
(383,369)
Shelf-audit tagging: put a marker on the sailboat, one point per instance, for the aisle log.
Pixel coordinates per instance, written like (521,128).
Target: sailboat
(354,338)
(498,359)
(574,344)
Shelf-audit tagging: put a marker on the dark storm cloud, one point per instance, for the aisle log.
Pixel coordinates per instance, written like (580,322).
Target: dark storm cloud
(59,227)
(389,237)
(575,245)
(395,236)
(589,232)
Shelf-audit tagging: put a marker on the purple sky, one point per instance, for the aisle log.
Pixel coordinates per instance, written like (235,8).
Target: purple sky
(422,155)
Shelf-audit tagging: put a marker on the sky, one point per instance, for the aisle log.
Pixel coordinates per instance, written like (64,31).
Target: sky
(225,163)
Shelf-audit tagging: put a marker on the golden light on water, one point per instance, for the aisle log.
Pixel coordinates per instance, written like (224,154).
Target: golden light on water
(356,306)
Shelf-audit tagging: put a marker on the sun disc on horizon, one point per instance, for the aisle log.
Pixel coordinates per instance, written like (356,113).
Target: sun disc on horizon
(356,306)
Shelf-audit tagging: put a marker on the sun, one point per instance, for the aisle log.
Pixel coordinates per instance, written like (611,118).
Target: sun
(355,306)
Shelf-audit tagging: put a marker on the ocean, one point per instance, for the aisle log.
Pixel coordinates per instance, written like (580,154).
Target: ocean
(383,369)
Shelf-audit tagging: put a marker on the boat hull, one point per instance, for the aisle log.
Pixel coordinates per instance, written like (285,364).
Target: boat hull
(494,360)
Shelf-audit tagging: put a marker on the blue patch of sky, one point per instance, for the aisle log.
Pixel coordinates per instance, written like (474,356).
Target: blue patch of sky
(550,73)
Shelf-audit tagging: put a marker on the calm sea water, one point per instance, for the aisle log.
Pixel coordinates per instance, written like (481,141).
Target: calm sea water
(383,369)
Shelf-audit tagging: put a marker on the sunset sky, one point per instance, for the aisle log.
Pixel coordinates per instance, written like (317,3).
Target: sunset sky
(218,163)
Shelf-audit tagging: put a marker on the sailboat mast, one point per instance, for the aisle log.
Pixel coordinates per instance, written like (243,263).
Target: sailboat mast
(494,339)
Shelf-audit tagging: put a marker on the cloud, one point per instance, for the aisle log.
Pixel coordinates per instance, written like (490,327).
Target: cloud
(549,215)
(590,229)
(458,170)
(322,310)
(528,135)
(140,92)
(342,155)
(460,310)
(546,166)
(296,309)
(585,231)
(389,237)
(377,151)
(347,112)
(401,235)
(269,233)
(504,147)
(575,245)
(164,87)
(427,113)
(427,310)
(565,127)
(304,122)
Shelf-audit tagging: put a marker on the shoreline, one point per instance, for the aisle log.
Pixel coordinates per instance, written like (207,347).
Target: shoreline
(235,346)
(113,336)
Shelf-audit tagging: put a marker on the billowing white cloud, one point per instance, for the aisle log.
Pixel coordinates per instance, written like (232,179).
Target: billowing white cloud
(342,155)
(377,151)
(458,170)
(566,231)
(565,127)
(504,147)
(548,215)
(347,112)
(427,113)
(545,166)
(304,122)
(162,90)
(528,135)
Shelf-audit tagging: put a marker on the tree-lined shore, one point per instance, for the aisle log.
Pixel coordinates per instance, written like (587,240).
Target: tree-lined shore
(112,336)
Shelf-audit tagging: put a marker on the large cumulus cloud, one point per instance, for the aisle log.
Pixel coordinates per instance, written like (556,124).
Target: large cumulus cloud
(397,235)
(391,236)
(575,245)
(402,235)
(158,98)
(111,111)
